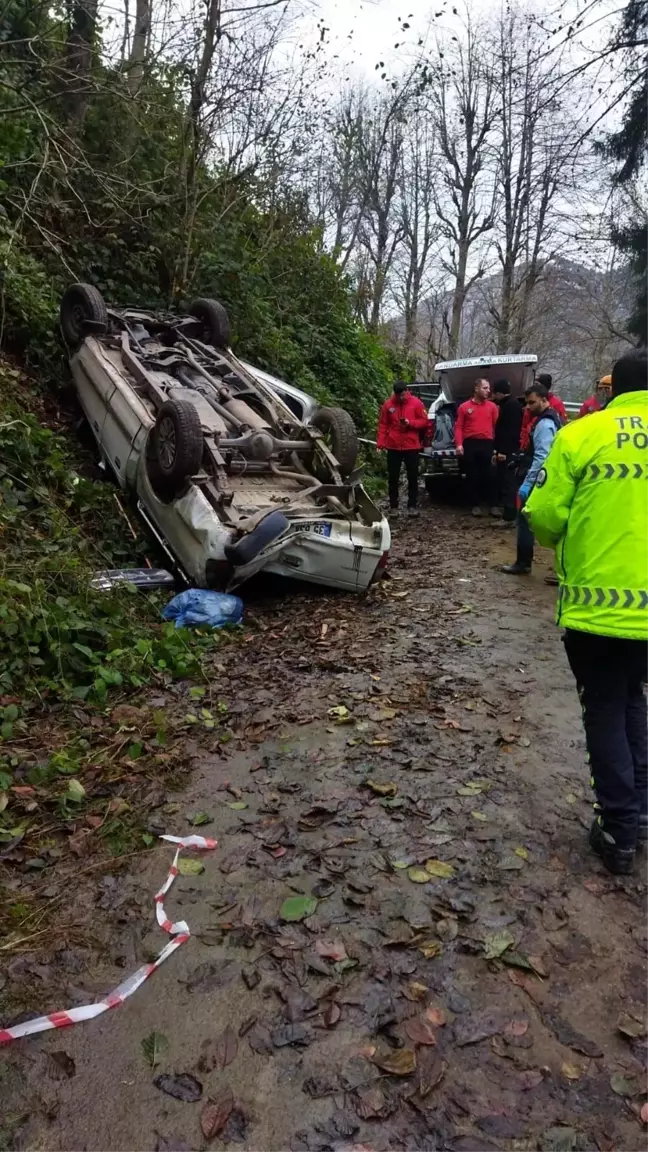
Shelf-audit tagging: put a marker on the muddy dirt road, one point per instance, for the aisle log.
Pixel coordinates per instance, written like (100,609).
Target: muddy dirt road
(465,975)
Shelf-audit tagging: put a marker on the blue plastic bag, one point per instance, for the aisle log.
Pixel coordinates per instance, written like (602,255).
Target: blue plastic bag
(198,608)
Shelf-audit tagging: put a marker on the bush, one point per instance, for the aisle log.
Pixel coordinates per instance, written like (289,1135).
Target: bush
(59,636)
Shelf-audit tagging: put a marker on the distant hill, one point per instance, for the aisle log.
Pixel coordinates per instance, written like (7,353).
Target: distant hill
(576,326)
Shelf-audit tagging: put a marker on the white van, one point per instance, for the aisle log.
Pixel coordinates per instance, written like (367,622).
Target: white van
(457,378)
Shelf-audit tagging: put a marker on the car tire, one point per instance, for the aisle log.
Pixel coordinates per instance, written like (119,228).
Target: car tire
(215,322)
(249,546)
(177,446)
(338,425)
(82,313)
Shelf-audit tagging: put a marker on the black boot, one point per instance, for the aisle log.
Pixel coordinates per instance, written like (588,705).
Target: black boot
(517,569)
(620,861)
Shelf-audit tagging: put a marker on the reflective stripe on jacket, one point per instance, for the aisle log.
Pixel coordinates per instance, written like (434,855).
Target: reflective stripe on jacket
(591,503)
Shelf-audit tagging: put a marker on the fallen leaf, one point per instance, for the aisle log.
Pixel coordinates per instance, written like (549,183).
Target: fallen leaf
(383,714)
(215,1114)
(558,1140)
(207,977)
(431,948)
(628,1026)
(420,1031)
(388,788)
(182,1086)
(522,853)
(401,1062)
(331,949)
(531,1078)
(200,818)
(218,1052)
(481,1026)
(298,907)
(371,1103)
(625,1085)
(291,1034)
(418,875)
(415,991)
(571,799)
(331,1014)
(496,943)
(339,712)
(435,1015)
(154,1047)
(237,805)
(60,1066)
(571,1071)
(439,869)
(189,867)
(431,1070)
(170,1144)
(75,792)
(518,1027)
(570,1037)
(478,816)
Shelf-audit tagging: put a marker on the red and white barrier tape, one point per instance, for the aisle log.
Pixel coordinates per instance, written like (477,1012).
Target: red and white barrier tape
(179,931)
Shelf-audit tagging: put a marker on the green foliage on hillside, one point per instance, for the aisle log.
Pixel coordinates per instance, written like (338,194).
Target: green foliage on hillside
(59,637)
(117,200)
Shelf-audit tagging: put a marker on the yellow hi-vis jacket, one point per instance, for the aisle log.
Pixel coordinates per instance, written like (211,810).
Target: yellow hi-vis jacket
(590,502)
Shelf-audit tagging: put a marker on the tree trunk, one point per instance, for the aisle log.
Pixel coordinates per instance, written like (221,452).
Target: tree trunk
(79,50)
(141,35)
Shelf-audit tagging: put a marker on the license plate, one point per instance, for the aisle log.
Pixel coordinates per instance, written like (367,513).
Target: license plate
(319,527)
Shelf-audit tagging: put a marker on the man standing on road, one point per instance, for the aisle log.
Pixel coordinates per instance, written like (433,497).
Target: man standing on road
(474,439)
(402,420)
(597,402)
(545,424)
(591,503)
(556,403)
(507,446)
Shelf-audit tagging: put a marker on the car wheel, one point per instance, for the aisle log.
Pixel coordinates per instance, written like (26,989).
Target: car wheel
(249,546)
(215,322)
(340,433)
(177,443)
(83,313)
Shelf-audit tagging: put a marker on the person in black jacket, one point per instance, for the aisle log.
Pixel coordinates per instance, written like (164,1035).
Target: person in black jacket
(507,446)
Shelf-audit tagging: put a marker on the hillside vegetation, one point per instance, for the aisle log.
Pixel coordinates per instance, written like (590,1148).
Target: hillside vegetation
(121,189)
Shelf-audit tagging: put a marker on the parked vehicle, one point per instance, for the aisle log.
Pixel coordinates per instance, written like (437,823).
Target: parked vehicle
(457,381)
(228,474)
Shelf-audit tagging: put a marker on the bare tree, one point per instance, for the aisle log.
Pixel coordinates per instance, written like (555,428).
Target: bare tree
(464,110)
(419,225)
(141,35)
(381,229)
(536,156)
(79,53)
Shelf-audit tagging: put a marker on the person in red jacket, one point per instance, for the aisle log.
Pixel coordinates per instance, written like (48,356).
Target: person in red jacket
(597,402)
(402,421)
(528,419)
(475,441)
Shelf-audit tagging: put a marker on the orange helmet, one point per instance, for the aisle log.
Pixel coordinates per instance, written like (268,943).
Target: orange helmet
(605,382)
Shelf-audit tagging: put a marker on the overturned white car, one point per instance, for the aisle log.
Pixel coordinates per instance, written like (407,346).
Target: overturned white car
(227,476)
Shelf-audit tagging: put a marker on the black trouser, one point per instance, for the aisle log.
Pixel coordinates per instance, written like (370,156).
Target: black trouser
(610,674)
(525,540)
(411,460)
(507,487)
(478,461)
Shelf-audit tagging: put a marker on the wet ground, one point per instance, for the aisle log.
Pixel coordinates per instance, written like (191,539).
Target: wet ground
(464,974)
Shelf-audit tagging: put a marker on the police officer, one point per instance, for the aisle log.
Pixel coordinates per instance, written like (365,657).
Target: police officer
(591,502)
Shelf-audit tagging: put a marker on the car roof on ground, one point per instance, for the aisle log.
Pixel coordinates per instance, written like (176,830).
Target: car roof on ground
(484,362)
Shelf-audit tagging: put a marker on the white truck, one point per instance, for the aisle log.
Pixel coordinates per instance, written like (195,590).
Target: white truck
(457,378)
